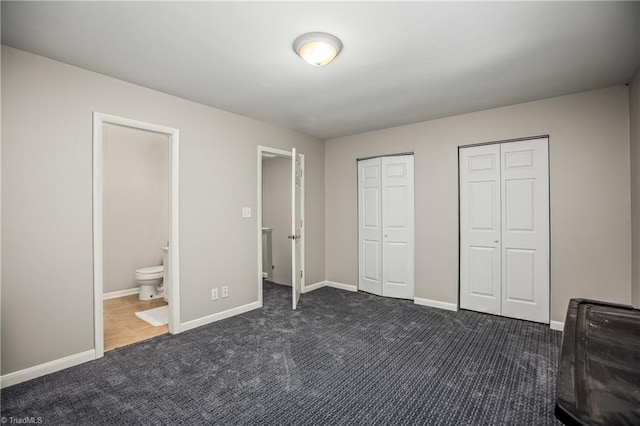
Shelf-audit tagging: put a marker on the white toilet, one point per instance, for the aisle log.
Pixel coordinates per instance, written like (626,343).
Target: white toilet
(150,280)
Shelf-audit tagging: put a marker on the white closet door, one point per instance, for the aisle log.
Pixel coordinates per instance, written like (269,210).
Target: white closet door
(370,226)
(480,228)
(525,230)
(398,227)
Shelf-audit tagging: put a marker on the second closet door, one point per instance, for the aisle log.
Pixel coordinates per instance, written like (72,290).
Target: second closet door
(386,226)
(504,229)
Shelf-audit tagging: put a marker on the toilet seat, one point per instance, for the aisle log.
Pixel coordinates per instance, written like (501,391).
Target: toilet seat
(149,273)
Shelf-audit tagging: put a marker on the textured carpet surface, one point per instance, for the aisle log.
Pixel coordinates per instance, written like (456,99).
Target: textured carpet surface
(341,358)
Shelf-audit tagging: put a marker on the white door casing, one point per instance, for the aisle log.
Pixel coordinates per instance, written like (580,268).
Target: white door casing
(297,209)
(480,229)
(370,225)
(504,229)
(525,229)
(386,253)
(398,227)
(297,174)
(174,235)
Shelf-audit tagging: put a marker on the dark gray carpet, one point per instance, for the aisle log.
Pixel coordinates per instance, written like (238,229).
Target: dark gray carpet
(341,358)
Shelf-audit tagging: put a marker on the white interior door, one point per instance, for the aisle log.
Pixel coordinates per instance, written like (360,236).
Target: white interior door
(386,258)
(525,230)
(370,225)
(397,227)
(297,173)
(504,229)
(480,229)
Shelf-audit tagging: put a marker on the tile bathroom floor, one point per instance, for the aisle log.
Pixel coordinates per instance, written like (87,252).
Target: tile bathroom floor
(121,325)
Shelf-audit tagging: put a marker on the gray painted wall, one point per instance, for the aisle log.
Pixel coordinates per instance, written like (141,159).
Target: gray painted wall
(589,179)
(47,278)
(135,166)
(276,213)
(634,136)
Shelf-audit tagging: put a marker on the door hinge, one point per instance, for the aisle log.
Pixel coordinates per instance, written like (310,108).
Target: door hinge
(301,273)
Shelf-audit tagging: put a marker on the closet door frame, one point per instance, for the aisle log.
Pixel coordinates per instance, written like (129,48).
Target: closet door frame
(546,320)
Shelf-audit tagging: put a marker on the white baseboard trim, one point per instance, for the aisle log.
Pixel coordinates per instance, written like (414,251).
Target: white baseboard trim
(311,287)
(46,368)
(219,316)
(435,304)
(556,325)
(341,286)
(121,293)
(265,275)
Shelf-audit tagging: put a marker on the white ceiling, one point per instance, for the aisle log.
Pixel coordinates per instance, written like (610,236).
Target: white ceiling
(401,63)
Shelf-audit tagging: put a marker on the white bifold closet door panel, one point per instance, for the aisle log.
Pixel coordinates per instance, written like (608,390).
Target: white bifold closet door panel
(386,226)
(525,230)
(370,225)
(397,227)
(480,228)
(504,229)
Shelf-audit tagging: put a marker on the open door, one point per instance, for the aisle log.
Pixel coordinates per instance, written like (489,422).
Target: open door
(296,226)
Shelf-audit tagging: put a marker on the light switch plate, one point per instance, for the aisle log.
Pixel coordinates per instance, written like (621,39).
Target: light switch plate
(246,212)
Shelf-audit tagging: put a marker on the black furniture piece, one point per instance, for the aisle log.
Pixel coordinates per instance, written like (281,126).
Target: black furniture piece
(598,381)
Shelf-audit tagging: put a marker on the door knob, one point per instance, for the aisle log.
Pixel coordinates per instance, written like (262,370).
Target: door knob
(495,241)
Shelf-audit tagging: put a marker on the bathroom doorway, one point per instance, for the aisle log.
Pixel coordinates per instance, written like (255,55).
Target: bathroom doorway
(135,231)
(281,235)
(276,218)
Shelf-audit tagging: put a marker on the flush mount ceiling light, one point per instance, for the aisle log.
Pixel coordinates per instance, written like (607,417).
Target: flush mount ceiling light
(318,49)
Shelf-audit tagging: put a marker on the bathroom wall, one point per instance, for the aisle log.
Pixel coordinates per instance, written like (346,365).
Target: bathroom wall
(589,193)
(276,213)
(634,135)
(135,203)
(47,245)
